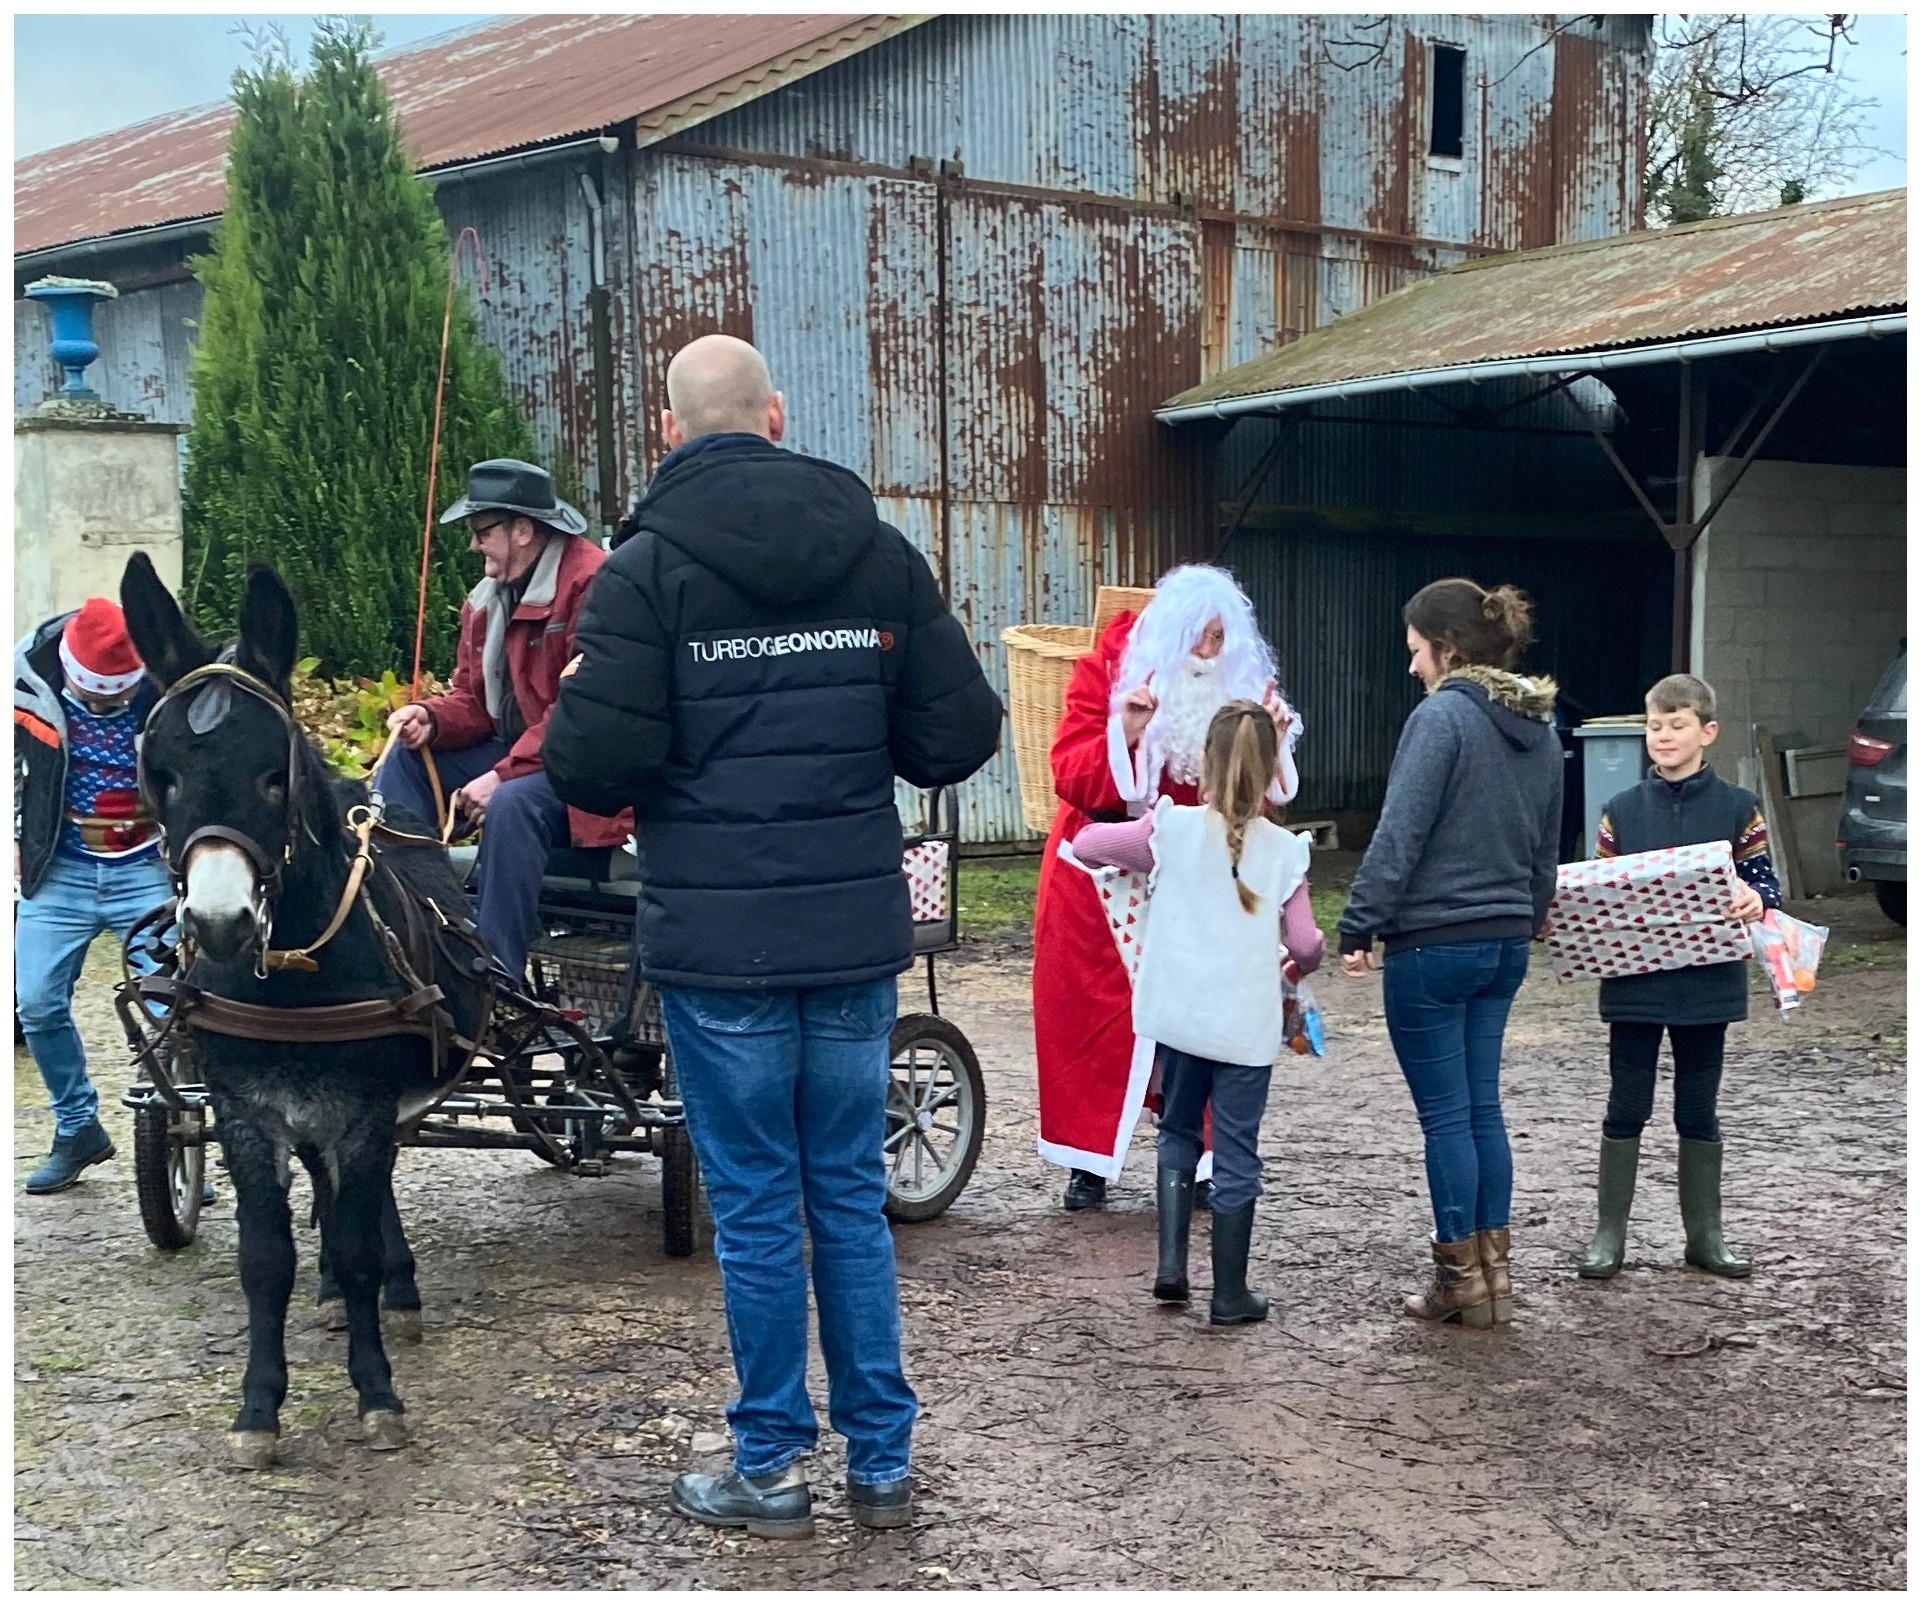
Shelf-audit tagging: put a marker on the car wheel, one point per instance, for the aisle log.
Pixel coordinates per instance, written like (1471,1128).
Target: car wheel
(1893,898)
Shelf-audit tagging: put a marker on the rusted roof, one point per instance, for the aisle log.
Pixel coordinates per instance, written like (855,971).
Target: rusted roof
(505,86)
(1765,270)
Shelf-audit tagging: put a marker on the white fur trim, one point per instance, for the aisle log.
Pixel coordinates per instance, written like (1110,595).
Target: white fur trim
(1109,1164)
(81,678)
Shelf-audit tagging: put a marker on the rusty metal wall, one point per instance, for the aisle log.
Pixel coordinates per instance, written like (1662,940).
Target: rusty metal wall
(533,230)
(1276,116)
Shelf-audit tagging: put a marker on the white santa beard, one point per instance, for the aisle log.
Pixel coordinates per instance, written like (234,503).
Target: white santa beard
(1194,693)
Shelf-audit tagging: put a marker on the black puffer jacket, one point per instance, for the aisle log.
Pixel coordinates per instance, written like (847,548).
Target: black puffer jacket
(756,665)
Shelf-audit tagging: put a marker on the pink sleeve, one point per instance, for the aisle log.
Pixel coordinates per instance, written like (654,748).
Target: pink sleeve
(1306,946)
(1118,846)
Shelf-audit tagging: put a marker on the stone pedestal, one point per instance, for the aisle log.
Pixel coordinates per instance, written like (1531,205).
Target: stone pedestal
(88,492)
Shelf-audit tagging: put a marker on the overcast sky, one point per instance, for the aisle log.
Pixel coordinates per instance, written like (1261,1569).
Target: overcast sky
(80,75)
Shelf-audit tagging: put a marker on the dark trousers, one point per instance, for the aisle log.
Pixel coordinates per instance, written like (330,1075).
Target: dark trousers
(525,821)
(1239,1095)
(1633,1050)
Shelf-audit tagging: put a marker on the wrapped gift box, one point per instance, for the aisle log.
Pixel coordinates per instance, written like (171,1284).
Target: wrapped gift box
(1644,912)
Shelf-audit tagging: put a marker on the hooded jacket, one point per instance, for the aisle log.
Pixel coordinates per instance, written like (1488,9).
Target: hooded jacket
(40,748)
(1466,847)
(757,662)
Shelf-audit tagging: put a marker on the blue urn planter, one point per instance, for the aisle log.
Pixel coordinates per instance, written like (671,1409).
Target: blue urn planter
(70,304)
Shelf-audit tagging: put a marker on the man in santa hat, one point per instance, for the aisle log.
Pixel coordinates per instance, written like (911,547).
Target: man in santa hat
(1138,708)
(86,853)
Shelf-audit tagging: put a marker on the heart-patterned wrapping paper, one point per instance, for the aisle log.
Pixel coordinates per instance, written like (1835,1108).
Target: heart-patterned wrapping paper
(1645,912)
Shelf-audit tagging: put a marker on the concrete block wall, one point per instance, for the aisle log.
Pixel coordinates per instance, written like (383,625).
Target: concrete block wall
(1800,601)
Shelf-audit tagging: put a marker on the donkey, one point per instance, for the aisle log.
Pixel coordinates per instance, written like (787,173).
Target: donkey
(255,826)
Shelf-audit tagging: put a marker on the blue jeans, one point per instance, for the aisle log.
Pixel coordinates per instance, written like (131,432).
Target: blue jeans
(1447,1009)
(786,1099)
(525,821)
(52,931)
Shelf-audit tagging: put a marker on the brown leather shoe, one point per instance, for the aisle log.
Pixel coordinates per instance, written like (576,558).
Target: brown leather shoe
(1491,1244)
(1458,1293)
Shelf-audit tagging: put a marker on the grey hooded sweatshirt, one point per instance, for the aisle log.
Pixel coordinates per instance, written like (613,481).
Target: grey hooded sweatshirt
(1466,847)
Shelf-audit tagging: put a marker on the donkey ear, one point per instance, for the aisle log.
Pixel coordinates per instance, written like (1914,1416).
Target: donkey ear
(269,630)
(168,645)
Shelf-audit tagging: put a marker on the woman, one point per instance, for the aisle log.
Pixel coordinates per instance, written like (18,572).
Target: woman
(1456,880)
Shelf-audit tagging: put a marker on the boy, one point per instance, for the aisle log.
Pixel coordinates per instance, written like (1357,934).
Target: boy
(86,852)
(1681,803)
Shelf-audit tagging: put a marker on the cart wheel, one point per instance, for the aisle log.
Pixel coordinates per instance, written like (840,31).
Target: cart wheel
(936,1115)
(679,1179)
(168,1174)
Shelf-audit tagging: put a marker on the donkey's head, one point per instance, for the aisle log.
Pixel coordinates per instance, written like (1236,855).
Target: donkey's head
(222,760)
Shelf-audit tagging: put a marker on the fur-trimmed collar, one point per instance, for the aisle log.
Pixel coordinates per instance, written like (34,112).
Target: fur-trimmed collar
(1531,696)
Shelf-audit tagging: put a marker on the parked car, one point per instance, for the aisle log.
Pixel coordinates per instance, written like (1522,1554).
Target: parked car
(1873,837)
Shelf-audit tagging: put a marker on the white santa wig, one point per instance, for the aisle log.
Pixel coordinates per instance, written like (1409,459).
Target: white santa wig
(1186,601)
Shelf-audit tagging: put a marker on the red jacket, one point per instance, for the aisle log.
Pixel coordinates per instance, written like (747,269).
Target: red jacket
(539,644)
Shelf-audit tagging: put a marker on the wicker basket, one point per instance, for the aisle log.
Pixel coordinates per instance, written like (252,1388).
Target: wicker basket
(1040,661)
(1114,600)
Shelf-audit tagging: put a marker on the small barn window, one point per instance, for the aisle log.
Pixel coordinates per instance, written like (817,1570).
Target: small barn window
(1446,101)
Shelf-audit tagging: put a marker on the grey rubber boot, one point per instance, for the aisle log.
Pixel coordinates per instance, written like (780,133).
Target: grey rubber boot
(1701,1210)
(1620,1161)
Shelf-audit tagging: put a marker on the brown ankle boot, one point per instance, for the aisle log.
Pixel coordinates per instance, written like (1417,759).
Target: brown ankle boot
(1459,1290)
(1491,1244)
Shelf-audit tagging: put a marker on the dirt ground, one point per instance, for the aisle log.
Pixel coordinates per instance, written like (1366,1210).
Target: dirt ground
(1661,1430)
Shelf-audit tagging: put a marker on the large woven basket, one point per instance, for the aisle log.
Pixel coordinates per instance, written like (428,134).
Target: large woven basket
(1113,600)
(1040,661)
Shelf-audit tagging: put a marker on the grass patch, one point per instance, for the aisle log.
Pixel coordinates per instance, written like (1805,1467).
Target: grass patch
(998,899)
(1864,955)
(60,1364)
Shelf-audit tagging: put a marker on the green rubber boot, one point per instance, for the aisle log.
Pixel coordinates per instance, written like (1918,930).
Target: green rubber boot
(1701,1210)
(1620,1160)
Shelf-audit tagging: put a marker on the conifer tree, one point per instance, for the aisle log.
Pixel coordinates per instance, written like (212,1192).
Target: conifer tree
(314,373)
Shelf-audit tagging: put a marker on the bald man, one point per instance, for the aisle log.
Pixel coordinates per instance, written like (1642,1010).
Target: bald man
(758,661)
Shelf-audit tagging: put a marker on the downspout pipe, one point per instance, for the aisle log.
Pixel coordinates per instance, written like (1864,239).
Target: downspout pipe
(1524,367)
(600,317)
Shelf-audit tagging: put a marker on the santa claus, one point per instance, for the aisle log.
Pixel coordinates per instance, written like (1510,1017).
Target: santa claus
(1137,713)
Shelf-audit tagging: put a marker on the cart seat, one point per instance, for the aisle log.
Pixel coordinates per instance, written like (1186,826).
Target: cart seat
(583,871)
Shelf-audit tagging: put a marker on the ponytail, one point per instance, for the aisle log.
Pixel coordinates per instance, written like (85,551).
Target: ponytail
(1237,767)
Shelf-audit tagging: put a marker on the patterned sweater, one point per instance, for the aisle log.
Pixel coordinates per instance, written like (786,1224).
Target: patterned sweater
(103,784)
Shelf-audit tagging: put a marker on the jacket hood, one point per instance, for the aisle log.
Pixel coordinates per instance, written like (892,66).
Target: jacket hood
(783,528)
(1521,707)
(37,676)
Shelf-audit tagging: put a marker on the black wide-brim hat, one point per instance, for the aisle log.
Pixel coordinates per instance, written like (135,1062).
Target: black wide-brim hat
(506,485)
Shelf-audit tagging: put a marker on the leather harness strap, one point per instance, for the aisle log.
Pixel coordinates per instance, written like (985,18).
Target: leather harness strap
(411,1015)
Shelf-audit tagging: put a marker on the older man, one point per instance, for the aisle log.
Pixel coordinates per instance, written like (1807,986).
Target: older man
(1138,708)
(486,732)
(759,660)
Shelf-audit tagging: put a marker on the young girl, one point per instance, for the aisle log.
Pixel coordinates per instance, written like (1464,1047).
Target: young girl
(1228,887)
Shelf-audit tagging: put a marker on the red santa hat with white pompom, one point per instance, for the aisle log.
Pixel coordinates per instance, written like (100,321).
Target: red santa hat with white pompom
(97,653)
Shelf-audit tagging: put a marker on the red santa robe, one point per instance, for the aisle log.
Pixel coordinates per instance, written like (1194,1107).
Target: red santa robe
(1093,1081)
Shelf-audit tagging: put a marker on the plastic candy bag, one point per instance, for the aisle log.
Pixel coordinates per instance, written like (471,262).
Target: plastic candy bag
(1789,953)
(1301,1027)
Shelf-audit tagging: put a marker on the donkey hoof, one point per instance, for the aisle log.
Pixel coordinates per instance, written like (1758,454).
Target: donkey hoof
(384,1429)
(402,1324)
(253,1451)
(332,1315)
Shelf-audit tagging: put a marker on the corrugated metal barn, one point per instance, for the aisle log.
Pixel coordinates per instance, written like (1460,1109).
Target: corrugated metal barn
(978,252)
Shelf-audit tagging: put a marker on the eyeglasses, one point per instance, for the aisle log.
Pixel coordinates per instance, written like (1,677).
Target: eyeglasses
(479,531)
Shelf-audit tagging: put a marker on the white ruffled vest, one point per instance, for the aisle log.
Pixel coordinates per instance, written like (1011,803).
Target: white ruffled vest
(1210,974)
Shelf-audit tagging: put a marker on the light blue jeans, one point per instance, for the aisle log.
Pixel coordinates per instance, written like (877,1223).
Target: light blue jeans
(786,1099)
(52,931)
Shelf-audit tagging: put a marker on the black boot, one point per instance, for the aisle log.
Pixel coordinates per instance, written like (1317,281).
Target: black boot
(775,1506)
(1174,1206)
(1085,1190)
(1233,1304)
